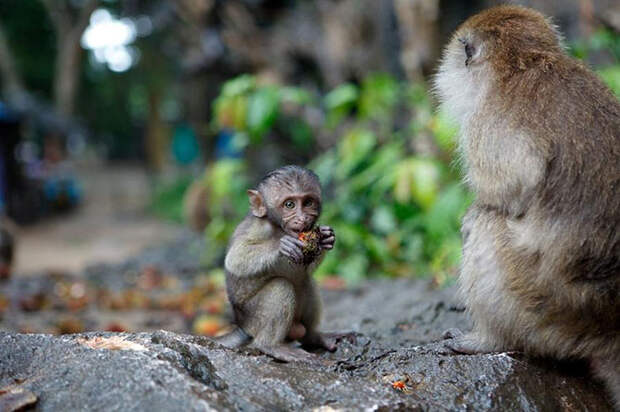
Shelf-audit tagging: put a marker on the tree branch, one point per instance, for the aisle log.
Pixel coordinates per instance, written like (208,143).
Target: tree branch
(59,14)
(11,80)
(84,17)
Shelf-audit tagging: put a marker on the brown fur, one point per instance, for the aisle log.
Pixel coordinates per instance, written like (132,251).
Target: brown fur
(541,142)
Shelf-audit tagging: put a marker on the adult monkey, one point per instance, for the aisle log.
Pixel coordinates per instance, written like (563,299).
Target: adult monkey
(268,277)
(540,138)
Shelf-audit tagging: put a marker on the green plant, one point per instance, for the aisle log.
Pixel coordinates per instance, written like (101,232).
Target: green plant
(167,199)
(395,209)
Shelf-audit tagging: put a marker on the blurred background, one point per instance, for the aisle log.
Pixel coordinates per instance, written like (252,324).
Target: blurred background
(133,124)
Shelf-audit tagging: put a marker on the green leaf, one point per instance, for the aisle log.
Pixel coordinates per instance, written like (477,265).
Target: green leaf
(239,85)
(339,102)
(295,95)
(355,147)
(443,218)
(262,112)
(342,96)
(383,220)
(301,134)
(379,95)
(325,166)
(611,76)
(417,179)
(445,131)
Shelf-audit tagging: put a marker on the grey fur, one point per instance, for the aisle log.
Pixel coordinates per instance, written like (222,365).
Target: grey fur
(270,291)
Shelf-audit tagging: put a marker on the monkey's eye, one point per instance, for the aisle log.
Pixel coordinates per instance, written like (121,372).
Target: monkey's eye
(308,203)
(469,50)
(289,204)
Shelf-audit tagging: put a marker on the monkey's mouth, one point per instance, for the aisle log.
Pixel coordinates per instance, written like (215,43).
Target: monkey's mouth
(296,229)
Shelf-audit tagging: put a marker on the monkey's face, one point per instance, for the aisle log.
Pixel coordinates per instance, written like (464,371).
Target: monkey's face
(298,212)
(462,78)
(486,51)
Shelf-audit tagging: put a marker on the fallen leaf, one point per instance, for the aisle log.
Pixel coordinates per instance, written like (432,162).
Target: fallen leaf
(207,325)
(115,327)
(400,385)
(111,343)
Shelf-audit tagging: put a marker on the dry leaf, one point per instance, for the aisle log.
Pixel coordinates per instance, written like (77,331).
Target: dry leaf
(111,343)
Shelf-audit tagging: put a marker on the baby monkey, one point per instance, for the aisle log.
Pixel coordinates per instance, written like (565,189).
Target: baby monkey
(268,275)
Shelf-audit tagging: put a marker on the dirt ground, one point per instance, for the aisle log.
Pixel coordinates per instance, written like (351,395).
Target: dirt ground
(109,226)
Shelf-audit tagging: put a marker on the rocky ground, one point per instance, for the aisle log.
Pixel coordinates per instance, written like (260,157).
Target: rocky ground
(396,362)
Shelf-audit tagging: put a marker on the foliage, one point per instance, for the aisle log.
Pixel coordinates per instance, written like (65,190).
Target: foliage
(611,76)
(606,42)
(603,39)
(166,202)
(32,40)
(391,195)
(252,110)
(392,192)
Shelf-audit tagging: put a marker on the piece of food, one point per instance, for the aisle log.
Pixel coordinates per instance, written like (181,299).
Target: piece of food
(312,244)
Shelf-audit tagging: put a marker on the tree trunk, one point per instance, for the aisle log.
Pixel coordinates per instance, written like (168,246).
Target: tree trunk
(419,34)
(66,75)
(69,29)
(156,138)
(11,82)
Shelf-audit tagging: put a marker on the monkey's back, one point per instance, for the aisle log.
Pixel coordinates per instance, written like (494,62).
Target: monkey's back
(561,257)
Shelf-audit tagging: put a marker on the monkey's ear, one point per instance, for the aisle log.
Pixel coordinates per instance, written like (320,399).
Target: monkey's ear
(257,204)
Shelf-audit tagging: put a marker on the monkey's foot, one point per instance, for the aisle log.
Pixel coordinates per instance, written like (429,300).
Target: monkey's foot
(287,353)
(328,341)
(234,339)
(297,331)
(469,344)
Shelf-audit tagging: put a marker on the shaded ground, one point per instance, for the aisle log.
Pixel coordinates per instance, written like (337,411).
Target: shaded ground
(397,361)
(392,365)
(164,286)
(109,226)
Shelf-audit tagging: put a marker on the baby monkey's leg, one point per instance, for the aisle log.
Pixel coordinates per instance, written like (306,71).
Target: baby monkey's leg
(270,317)
(310,319)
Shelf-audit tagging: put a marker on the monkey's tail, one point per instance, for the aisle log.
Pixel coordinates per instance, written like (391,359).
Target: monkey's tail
(234,339)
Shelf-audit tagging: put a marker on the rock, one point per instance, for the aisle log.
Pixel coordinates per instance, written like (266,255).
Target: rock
(14,398)
(397,362)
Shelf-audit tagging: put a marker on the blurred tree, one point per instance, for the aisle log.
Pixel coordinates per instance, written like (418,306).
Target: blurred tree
(69,22)
(27,73)
(11,81)
(419,34)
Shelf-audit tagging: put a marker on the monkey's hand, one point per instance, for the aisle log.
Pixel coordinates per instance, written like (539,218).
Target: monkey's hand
(292,248)
(328,237)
